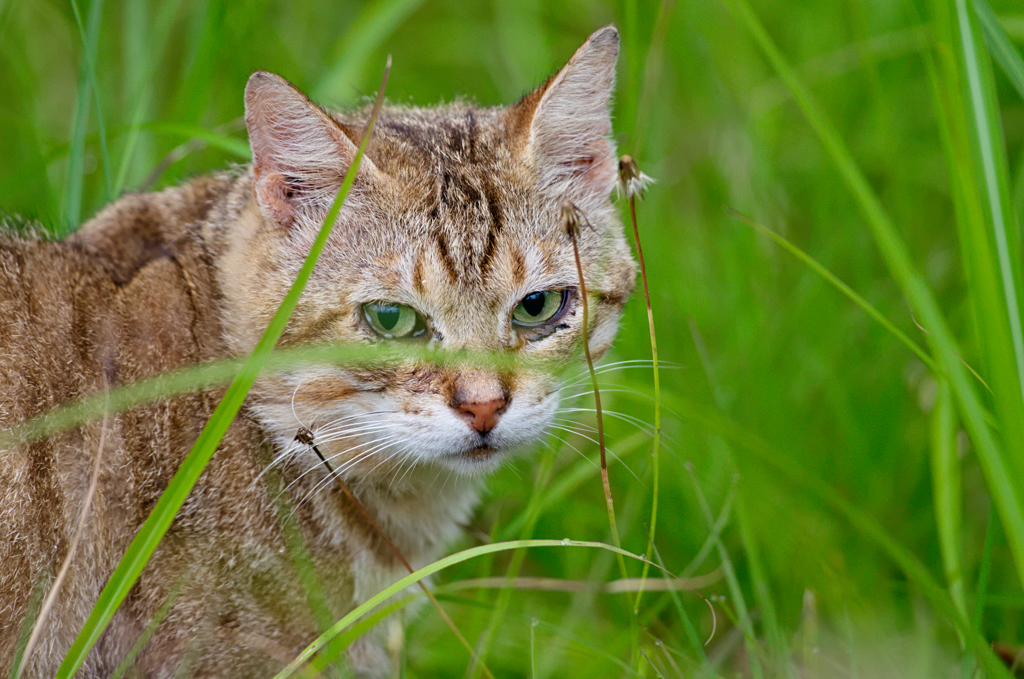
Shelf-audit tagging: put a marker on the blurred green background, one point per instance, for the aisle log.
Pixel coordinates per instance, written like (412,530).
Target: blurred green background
(768,367)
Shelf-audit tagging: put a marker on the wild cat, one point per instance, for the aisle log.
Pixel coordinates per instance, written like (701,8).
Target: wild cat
(450,236)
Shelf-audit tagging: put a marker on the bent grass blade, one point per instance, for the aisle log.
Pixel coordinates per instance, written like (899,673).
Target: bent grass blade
(413,578)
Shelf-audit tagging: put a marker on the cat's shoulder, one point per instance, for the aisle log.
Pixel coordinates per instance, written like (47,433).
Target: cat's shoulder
(140,228)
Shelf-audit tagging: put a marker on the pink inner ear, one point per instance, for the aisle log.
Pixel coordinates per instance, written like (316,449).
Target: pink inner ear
(277,196)
(594,165)
(581,165)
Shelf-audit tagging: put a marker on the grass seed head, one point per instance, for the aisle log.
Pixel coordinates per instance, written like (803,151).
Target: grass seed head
(632,182)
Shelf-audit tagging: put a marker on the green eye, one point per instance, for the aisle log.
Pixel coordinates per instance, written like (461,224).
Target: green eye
(394,321)
(538,308)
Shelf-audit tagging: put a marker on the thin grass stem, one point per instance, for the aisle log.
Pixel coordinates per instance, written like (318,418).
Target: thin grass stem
(1000,45)
(51,597)
(794,472)
(147,634)
(533,648)
(946,490)
(630,177)
(376,600)
(571,225)
(743,619)
(839,285)
(21,644)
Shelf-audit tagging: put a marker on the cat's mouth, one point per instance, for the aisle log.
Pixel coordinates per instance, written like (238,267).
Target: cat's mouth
(481,452)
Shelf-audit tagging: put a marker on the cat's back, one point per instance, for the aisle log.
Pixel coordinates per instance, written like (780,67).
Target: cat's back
(51,294)
(128,296)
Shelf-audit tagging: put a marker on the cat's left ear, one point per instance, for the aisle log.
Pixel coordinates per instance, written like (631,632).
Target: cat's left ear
(299,153)
(566,122)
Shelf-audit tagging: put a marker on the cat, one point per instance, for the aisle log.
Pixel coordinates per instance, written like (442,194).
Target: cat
(450,237)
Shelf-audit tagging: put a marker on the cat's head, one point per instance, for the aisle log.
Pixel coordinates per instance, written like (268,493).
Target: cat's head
(451,237)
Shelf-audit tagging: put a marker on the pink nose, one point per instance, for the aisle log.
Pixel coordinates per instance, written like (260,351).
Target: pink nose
(482,417)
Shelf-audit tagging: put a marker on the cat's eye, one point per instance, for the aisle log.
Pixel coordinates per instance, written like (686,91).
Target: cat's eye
(395,321)
(538,308)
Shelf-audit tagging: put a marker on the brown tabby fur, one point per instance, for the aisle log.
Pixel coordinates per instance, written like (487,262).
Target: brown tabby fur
(454,212)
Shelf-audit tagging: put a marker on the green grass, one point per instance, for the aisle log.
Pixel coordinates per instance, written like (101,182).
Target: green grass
(859,491)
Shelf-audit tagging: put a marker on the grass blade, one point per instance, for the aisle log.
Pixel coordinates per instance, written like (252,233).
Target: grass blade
(530,518)
(89,43)
(839,285)
(152,531)
(223,371)
(988,142)
(129,145)
(571,225)
(51,597)
(219,140)
(989,242)
(762,594)
(628,97)
(147,634)
(743,617)
(999,45)
(946,489)
(368,31)
(35,602)
(72,213)
(533,648)
(632,182)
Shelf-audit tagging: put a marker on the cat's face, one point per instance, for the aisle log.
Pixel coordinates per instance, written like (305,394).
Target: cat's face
(452,239)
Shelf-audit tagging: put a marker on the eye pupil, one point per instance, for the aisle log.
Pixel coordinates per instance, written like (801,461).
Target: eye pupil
(387,316)
(538,308)
(533,303)
(394,321)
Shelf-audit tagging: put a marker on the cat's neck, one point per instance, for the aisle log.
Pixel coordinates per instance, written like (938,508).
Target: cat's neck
(420,512)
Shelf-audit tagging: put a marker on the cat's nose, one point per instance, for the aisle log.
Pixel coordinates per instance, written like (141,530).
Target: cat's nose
(482,417)
(480,400)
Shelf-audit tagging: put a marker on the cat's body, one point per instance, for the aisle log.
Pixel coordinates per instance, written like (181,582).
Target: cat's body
(451,234)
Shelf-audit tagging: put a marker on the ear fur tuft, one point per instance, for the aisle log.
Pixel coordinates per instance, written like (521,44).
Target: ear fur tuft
(569,125)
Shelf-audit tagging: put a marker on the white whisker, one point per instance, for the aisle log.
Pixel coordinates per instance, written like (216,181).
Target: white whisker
(374,443)
(642,425)
(578,451)
(619,365)
(401,451)
(378,444)
(412,464)
(449,475)
(577,433)
(319,485)
(608,448)
(292,448)
(294,394)
(616,389)
(571,422)
(340,435)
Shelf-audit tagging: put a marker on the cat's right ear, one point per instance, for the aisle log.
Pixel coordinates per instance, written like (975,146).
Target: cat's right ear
(299,153)
(566,124)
